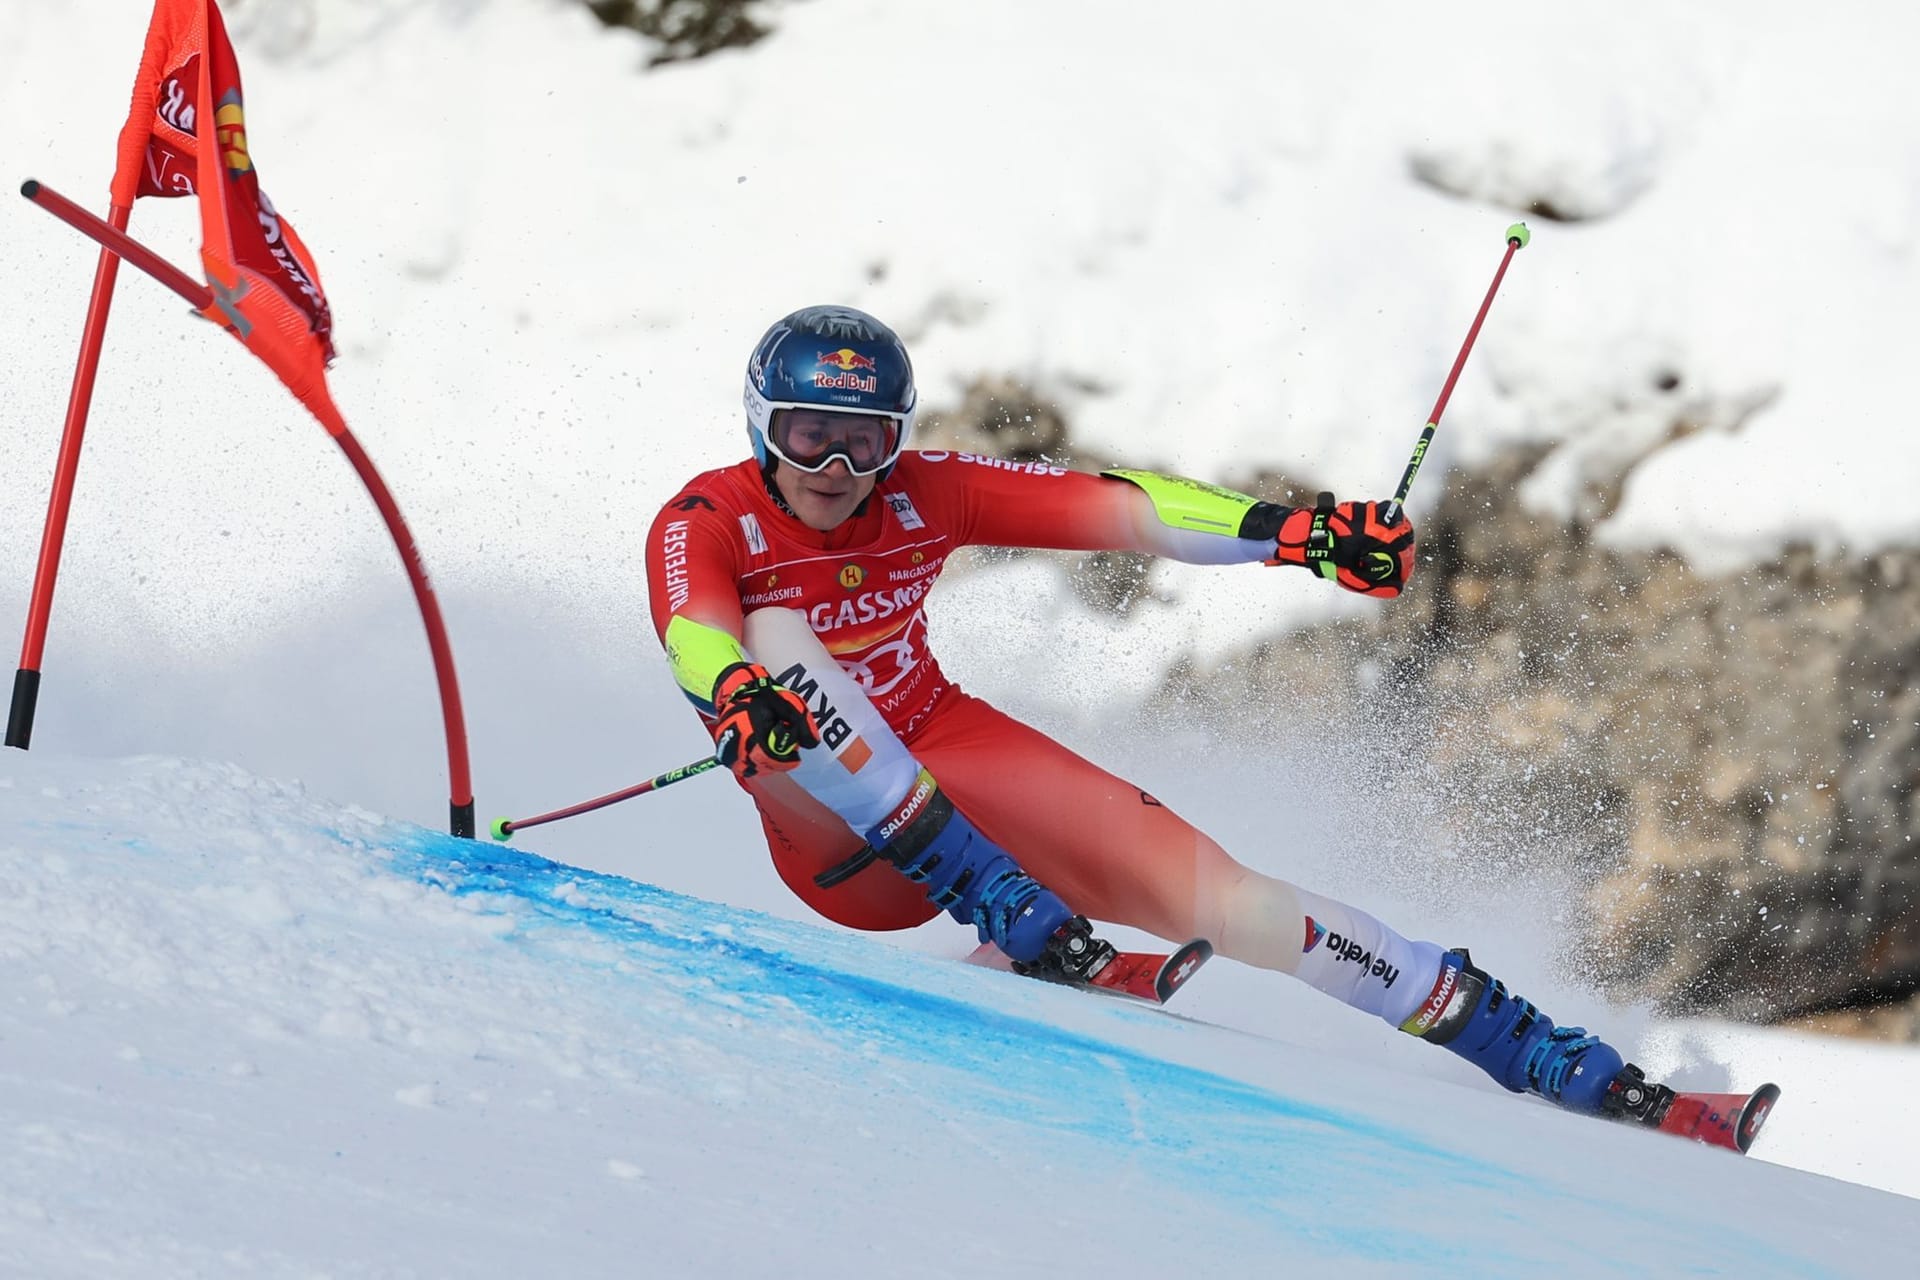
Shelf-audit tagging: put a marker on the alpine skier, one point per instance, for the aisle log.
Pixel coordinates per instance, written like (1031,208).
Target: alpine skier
(789,591)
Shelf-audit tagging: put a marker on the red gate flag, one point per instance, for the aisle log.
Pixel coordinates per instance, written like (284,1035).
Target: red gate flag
(266,291)
(186,134)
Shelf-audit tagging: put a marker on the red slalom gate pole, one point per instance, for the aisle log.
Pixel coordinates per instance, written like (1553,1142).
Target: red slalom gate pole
(1517,238)
(26,679)
(115,241)
(453,718)
(503,828)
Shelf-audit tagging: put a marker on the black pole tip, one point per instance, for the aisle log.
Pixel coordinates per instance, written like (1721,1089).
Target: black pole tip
(26,697)
(29,188)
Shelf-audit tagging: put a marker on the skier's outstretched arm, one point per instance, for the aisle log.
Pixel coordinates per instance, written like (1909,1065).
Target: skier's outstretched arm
(1032,505)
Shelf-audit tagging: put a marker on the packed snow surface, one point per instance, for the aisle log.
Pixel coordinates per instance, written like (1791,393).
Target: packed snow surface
(248,1032)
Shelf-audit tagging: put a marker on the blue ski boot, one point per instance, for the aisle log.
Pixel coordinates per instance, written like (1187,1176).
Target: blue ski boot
(973,879)
(1475,1016)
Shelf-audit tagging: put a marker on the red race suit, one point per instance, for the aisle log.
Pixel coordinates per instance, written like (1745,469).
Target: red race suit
(724,548)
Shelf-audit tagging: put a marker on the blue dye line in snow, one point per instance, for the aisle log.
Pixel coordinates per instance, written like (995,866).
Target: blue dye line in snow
(1312,1170)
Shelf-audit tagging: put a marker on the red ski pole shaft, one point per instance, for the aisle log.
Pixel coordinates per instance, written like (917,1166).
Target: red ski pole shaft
(503,828)
(1517,237)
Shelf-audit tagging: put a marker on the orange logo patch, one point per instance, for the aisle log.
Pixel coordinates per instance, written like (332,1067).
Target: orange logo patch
(851,576)
(230,129)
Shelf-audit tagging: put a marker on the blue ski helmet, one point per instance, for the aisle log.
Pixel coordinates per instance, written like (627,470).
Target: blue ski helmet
(835,359)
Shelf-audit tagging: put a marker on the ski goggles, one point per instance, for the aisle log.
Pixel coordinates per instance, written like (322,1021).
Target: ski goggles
(808,438)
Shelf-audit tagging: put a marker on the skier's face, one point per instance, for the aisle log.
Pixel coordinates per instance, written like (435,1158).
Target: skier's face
(824,499)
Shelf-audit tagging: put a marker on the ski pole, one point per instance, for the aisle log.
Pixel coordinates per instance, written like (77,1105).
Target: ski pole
(1517,237)
(503,828)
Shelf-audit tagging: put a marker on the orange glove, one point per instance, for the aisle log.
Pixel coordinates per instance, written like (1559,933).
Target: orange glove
(1350,543)
(761,725)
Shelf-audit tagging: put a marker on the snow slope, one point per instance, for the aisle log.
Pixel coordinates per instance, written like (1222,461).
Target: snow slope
(251,1033)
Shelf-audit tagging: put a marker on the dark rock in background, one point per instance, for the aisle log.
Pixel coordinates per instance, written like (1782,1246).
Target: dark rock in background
(685,29)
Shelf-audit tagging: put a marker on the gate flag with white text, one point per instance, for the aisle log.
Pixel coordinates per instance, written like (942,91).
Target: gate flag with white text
(266,290)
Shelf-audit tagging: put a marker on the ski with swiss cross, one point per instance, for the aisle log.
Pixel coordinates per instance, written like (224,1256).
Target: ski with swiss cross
(1075,958)
(1729,1120)
(1147,975)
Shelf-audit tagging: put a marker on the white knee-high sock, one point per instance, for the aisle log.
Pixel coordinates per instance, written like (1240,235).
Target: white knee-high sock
(1327,944)
(1353,957)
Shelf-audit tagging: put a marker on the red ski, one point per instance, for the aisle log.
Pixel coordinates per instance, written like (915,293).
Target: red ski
(1141,975)
(1145,975)
(1730,1120)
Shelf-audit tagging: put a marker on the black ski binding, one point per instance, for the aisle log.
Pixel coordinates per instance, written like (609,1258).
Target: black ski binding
(1634,1098)
(1073,955)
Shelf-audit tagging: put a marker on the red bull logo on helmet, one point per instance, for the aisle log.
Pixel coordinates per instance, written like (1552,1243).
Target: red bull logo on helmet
(848,362)
(846,382)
